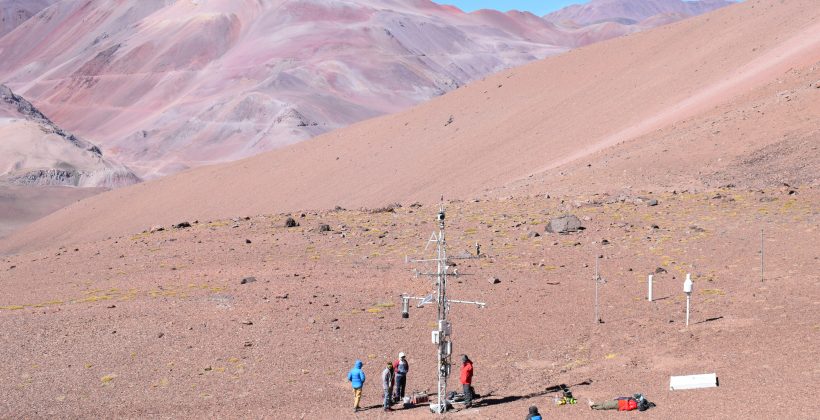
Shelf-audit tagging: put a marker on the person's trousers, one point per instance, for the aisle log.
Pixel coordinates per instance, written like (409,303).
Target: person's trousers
(468,395)
(388,397)
(357,397)
(401,381)
(606,405)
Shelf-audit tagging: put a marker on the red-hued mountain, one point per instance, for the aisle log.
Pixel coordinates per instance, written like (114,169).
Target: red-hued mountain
(164,86)
(15,12)
(686,151)
(631,11)
(692,104)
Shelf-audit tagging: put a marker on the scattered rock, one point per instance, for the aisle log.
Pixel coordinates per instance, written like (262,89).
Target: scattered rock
(652,203)
(290,222)
(324,228)
(285,296)
(449,121)
(156,229)
(494,280)
(182,225)
(390,208)
(248,344)
(660,270)
(248,322)
(247,280)
(655,227)
(564,224)
(534,234)
(160,335)
(604,242)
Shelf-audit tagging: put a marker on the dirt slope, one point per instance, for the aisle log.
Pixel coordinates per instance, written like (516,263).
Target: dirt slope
(21,205)
(497,131)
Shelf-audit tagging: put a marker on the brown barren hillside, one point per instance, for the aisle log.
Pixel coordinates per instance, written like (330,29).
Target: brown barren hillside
(516,124)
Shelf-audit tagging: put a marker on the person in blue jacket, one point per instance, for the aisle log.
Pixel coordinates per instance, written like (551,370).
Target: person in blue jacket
(356,378)
(534,414)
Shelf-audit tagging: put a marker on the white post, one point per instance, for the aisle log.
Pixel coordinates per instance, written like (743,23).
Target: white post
(761,255)
(597,280)
(649,294)
(687,288)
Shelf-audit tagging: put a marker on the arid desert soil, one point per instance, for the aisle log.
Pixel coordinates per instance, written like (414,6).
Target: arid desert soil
(159,325)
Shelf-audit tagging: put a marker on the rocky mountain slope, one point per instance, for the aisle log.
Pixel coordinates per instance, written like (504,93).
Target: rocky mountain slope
(164,86)
(35,151)
(630,11)
(676,107)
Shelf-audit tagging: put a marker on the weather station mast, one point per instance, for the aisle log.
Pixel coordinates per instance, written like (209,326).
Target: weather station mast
(441,335)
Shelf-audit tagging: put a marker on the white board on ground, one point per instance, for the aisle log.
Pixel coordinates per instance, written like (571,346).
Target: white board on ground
(708,380)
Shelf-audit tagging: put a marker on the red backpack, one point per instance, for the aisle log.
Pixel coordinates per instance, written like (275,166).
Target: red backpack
(627,404)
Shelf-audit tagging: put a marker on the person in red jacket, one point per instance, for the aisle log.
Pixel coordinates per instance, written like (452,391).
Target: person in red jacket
(400,367)
(467,380)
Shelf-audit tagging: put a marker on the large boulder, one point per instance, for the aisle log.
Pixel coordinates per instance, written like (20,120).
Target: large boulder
(564,224)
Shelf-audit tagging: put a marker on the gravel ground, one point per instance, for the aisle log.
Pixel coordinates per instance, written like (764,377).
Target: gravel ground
(159,324)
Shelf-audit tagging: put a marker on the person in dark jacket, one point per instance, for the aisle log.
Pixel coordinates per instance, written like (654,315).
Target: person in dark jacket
(534,414)
(467,380)
(356,378)
(387,384)
(400,369)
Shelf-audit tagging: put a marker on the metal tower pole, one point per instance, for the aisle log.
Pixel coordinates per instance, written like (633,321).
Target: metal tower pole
(441,335)
(443,354)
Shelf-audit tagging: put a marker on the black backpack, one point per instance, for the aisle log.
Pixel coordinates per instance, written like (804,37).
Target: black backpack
(643,403)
